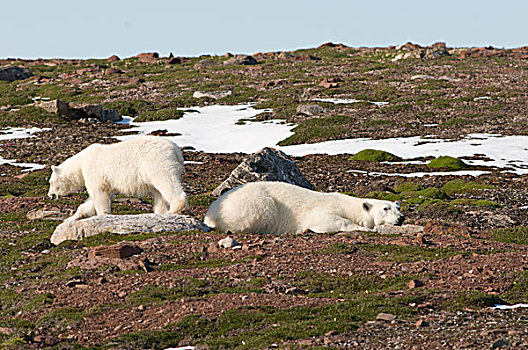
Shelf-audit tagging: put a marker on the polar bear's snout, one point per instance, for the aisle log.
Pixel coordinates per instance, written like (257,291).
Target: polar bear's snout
(400,221)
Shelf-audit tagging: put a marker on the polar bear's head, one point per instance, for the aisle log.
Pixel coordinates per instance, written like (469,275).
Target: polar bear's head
(384,212)
(60,183)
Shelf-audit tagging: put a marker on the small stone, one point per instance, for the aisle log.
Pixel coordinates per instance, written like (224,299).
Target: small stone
(6,330)
(422,323)
(499,344)
(309,110)
(214,95)
(385,317)
(420,239)
(228,242)
(422,77)
(114,251)
(113,58)
(45,251)
(212,248)
(415,284)
(174,60)
(112,70)
(148,57)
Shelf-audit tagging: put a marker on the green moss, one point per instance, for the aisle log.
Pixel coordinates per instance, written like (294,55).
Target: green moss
(517,235)
(461,186)
(374,156)
(26,116)
(408,187)
(447,162)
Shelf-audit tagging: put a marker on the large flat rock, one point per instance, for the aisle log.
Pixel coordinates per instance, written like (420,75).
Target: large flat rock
(125,224)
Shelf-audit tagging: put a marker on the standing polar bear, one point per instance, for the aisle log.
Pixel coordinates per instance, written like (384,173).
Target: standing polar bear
(137,167)
(278,207)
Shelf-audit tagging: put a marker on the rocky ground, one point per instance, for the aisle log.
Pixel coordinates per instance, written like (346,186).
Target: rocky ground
(359,290)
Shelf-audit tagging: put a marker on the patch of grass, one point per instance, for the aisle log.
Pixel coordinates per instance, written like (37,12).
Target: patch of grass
(257,328)
(160,114)
(61,318)
(458,122)
(316,129)
(193,287)
(425,196)
(408,253)
(113,238)
(473,300)
(461,186)
(517,235)
(201,200)
(475,203)
(518,292)
(318,284)
(408,186)
(374,156)
(35,184)
(28,115)
(129,108)
(447,162)
(338,249)
(380,122)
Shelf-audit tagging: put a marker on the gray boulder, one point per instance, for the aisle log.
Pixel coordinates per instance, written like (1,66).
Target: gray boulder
(266,165)
(14,73)
(125,224)
(310,110)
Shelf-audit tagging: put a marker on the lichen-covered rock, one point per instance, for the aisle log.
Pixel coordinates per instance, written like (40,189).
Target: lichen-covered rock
(266,165)
(310,110)
(125,224)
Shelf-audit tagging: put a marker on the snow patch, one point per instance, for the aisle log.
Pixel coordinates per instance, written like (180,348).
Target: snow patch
(508,307)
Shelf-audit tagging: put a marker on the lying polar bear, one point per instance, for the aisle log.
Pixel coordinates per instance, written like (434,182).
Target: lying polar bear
(135,167)
(278,207)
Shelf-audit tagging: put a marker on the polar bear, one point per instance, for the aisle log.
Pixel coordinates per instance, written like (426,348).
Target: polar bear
(278,207)
(137,167)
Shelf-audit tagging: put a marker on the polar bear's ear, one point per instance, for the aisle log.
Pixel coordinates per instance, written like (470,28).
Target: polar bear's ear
(55,169)
(366,206)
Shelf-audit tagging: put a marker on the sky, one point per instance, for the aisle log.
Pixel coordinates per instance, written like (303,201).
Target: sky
(99,29)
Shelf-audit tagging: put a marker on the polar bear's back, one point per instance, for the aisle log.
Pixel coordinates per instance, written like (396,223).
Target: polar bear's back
(131,166)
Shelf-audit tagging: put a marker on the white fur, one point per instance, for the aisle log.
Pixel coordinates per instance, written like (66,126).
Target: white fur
(135,168)
(278,207)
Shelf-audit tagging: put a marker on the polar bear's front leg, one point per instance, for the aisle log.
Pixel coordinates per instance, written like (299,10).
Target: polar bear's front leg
(84,210)
(334,223)
(160,205)
(102,203)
